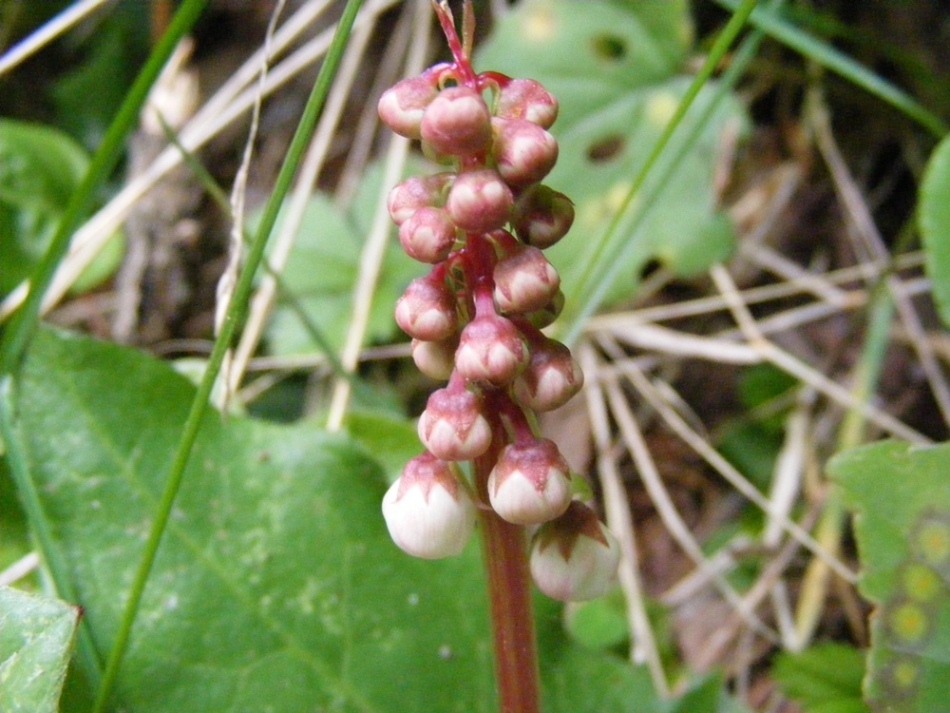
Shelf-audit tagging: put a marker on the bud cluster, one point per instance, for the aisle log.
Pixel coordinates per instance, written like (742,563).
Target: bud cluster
(476,319)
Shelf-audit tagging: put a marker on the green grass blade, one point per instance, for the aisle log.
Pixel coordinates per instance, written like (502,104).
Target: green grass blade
(827,56)
(235,314)
(593,286)
(41,527)
(24,322)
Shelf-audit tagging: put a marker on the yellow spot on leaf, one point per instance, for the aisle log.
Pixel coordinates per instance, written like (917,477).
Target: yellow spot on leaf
(660,109)
(920,583)
(905,674)
(909,622)
(540,25)
(933,541)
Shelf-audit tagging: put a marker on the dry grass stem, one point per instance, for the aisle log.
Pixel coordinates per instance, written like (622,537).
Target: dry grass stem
(371,259)
(92,236)
(643,647)
(43,35)
(263,300)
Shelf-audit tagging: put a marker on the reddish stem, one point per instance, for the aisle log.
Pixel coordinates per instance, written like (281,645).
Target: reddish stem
(463,66)
(509,593)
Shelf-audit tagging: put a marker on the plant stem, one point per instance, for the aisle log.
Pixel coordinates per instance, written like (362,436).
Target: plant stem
(509,594)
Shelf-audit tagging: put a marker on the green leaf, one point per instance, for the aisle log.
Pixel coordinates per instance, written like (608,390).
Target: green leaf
(391,440)
(825,678)
(277,587)
(614,106)
(901,502)
(599,623)
(40,167)
(615,48)
(36,638)
(934,217)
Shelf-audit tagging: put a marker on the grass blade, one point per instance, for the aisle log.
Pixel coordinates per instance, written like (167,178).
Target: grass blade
(827,56)
(235,313)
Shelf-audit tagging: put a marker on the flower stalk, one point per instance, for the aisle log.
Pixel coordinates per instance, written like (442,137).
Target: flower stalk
(476,321)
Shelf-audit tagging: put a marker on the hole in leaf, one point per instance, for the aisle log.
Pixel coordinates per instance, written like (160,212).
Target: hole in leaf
(650,268)
(609,47)
(606,148)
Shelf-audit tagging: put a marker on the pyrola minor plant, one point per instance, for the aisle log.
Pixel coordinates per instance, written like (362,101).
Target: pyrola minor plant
(476,320)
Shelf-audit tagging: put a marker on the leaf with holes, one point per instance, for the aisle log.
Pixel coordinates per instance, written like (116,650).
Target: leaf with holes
(613,67)
(934,217)
(277,587)
(36,639)
(901,501)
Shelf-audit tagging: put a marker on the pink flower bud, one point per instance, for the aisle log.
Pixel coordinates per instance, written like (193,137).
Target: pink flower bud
(401,106)
(530,483)
(551,378)
(542,216)
(525,281)
(428,235)
(524,152)
(452,427)
(457,122)
(541,318)
(417,192)
(527,99)
(435,359)
(480,201)
(426,310)
(574,557)
(491,349)
(427,510)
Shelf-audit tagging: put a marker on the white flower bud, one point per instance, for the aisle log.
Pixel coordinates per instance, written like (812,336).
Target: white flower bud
(428,512)
(575,557)
(452,427)
(530,483)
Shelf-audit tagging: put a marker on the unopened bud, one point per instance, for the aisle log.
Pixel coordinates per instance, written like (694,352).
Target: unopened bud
(525,281)
(428,235)
(417,192)
(401,106)
(527,99)
(544,317)
(491,349)
(457,123)
(530,483)
(428,512)
(575,557)
(480,201)
(551,378)
(435,359)
(542,216)
(426,310)
(452,427)
(524,152)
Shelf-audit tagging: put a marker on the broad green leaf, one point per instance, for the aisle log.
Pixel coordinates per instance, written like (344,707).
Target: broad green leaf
(40,167)
(277,587)
(901,500)
(825,678)
(613,67)
(588,52)
(599,623)
(392,441)
(934,217)
(36,639)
